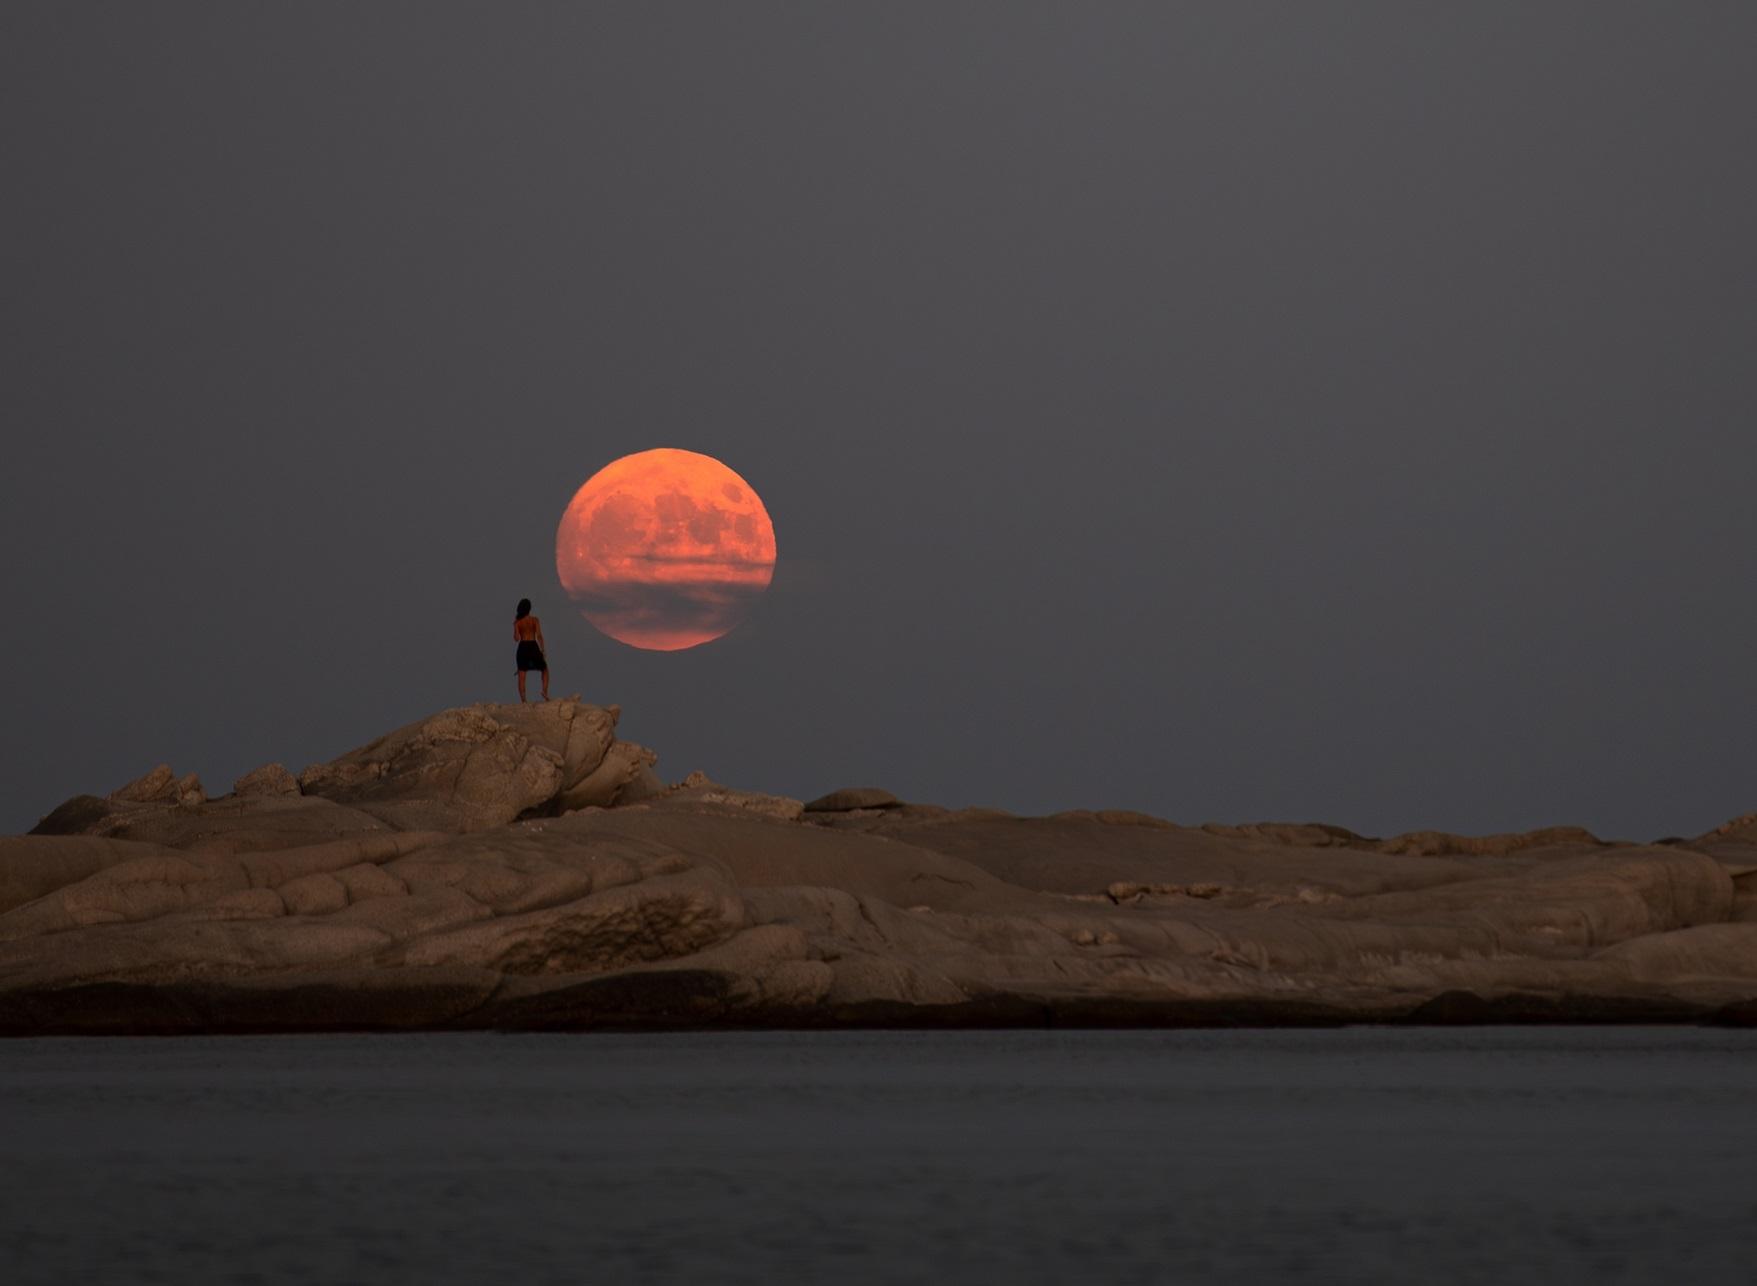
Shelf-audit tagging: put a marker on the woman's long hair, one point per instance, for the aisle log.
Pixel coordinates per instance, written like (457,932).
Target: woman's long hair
(524,609)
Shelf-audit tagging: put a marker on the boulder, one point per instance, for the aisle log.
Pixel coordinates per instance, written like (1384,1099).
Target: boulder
(644,785)
(270,779)
(851,797)
(480,766)
(157,787)
(161,786)
(624,767)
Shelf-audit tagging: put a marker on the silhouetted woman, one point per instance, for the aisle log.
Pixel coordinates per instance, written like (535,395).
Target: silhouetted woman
(528,630)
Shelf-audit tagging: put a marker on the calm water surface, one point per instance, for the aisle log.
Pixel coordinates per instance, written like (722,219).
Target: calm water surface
(1356,1155)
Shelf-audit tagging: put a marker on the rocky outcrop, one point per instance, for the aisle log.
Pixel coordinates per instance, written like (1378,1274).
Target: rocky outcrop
(1440,844)
(521,867)
(851,797)
(270,779)
(623,774)
(77,816)
(161,786)
(698,791)
(469,769)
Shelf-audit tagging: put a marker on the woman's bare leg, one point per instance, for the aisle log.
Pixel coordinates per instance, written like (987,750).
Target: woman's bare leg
(521,685)
(546,683)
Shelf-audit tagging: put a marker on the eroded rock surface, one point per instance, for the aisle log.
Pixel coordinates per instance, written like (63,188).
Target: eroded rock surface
(521,867)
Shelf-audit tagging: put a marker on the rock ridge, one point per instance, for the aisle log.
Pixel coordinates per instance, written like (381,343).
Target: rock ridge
(521,867)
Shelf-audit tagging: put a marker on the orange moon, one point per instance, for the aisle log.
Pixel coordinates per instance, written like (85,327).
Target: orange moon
(665,549)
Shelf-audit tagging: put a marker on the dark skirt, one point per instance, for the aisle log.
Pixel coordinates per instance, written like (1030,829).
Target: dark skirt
(531,656)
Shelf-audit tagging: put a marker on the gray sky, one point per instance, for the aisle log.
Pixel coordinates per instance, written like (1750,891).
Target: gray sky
(1235,411)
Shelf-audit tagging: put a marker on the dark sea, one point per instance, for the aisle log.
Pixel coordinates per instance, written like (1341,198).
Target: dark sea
(1493,1155)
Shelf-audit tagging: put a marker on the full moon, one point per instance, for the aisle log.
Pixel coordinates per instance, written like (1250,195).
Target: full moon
(665,549)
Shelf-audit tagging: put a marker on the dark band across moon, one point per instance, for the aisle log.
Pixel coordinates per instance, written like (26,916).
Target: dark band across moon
(665,549)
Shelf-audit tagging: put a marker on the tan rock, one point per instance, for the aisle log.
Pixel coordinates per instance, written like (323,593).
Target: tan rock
(711,794)
(316,894)
(160,786)
(644,785)
(242,823)
(623,767)
(363,882)
(33,866)
(666,916)
(482,766)
(270,779)
(1742,828)
(1703,951)
(502,866)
